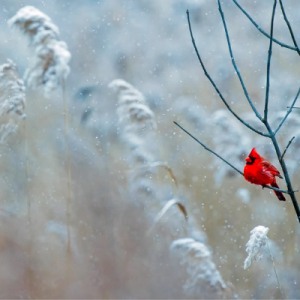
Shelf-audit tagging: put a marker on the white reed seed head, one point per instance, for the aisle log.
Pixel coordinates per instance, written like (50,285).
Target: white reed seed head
(50,65)
(258,239)
(133,112)
(200,266)
(12,90)
(35,24)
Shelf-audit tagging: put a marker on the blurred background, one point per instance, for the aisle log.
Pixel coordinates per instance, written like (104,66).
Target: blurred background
(113,253)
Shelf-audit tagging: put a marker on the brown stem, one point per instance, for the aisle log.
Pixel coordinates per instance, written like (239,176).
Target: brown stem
(67,165)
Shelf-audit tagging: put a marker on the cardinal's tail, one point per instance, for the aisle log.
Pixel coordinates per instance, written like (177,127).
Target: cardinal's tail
(278,194)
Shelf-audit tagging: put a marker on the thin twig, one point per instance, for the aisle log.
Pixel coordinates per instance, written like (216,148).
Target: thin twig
(228,163)
(261,30)
(288,112)
(289,26)
(273,262)
(235,66)
(293,107)
(214,85)
(269,63)
(289,143)
(208,149)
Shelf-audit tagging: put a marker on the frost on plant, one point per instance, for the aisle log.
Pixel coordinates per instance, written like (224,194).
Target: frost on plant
(137,130)
(12,97)
(137,123)
(200,267)
(12,90)
(51,56)
(258,239)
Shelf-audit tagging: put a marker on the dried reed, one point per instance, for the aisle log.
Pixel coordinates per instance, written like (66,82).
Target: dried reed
(258,240)
(48,70)
(137,129)
(51,57)
(200,267)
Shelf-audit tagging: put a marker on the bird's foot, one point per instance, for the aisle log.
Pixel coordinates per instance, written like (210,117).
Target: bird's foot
(263,186)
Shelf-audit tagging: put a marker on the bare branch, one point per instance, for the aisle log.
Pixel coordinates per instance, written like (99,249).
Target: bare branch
(293,107)
(288,112)
(291,192)
(214,85)
(271,134)
(289,143)
(289,26)
(269,64)
(208,149)
(235,66)
(261,30)
(227,162)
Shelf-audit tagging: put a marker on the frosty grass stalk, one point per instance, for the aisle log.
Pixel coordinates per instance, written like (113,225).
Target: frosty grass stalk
(258,240)
(12,97)
(200,266)
(49,68)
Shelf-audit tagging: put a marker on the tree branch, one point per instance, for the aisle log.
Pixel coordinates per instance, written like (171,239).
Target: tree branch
(291,192)
(227,162)
(270,134)
(289,26)
(269,64)
(289,143)
(288,112)
(235,66)
(214,85)
(261,30)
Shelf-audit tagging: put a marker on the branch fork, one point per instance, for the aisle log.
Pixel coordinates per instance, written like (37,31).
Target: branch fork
(264,119)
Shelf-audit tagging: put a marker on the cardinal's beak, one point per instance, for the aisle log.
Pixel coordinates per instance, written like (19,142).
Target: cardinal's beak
(248,159)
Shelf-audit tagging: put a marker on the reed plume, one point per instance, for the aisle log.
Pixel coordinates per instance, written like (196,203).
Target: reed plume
(200,267)
(12,97)
(258,241)
(137,128)
(49,67)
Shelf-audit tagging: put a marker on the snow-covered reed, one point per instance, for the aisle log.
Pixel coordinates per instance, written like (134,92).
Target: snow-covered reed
(200,267)
(258,240)
(49,67)
(12,97)
(137,129)
(12,90)
(136,125)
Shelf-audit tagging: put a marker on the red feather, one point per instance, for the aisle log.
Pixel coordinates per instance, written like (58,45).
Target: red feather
(259,171)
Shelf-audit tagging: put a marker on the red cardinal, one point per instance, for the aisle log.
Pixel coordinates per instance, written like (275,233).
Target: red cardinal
(259,171)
